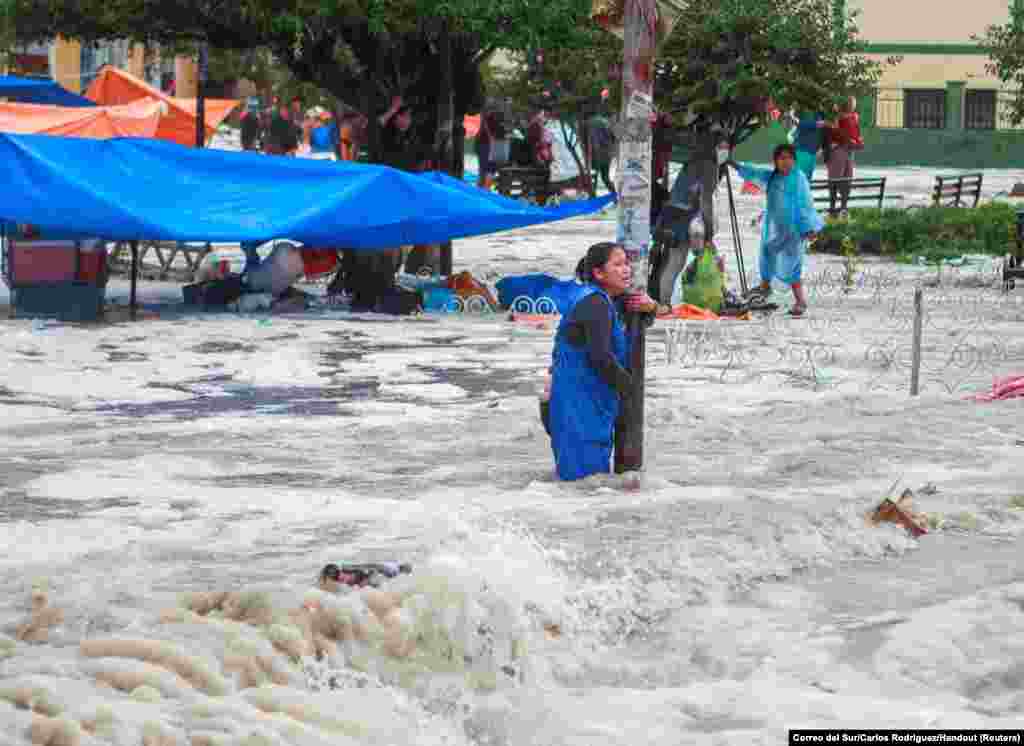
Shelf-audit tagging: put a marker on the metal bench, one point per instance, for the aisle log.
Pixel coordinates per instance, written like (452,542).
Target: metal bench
(839,192)
(532,183)
(192,253)
(1013,268)
(954,191)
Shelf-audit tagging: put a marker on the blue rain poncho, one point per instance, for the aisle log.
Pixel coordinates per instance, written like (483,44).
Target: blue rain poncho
(789,216)
(808,142)
(583,407)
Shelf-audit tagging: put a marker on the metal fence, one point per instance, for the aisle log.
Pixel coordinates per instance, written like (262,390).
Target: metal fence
(858,337)
(971,336)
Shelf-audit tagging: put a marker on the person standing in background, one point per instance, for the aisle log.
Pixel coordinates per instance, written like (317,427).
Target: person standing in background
(352,135)
(810,133)
(846,139)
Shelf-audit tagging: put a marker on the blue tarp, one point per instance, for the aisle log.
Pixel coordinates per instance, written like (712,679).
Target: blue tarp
(136,189)
(39,91)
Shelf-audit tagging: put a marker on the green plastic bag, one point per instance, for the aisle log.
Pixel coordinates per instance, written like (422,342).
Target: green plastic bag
(704,287)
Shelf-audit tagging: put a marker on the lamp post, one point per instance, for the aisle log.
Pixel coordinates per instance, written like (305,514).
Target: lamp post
(642,25)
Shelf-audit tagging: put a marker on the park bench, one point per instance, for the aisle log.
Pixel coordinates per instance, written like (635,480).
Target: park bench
(955,191)
(839,192)
(532,183)
(1013,268)
(192,253)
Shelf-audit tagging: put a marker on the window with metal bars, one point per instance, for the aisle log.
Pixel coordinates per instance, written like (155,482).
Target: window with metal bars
(980,110)
(925,109)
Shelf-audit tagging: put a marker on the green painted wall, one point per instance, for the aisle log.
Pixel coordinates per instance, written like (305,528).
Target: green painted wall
(963,149)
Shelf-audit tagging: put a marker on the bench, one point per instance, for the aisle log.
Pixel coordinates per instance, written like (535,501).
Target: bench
(192,253)
(532,183)
(1013,268)
(954,191)
(839,192)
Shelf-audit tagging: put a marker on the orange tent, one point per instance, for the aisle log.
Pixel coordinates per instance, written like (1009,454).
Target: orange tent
(113,86)
(137,119)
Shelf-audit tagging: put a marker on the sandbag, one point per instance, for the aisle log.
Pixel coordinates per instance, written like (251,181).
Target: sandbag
(399,301)
(702,282)
(466,286)
(278,271)
(522,286)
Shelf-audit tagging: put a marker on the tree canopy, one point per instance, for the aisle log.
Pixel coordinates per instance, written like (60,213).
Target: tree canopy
(363,52)
(1005,44)
(725,64)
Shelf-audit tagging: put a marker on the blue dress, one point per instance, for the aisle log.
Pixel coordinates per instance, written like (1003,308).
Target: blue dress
(583,407)
(789,216)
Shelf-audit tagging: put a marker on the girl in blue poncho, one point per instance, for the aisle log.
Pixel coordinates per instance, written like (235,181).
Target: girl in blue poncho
(590,382)
(790,221)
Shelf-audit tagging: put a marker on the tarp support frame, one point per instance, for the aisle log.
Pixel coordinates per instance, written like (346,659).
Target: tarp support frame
(135,277)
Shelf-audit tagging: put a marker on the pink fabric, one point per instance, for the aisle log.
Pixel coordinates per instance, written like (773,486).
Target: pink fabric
(1004,388)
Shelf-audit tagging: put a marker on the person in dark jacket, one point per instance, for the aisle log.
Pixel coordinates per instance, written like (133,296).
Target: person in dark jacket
(590,383)
(283,138)
(251,130)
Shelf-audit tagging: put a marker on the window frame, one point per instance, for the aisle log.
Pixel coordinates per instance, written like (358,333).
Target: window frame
(991,105)
(911,118)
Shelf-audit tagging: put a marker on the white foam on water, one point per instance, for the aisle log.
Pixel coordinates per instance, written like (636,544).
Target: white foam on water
(732,592)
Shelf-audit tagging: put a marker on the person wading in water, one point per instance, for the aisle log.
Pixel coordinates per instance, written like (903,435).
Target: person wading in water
(590,385)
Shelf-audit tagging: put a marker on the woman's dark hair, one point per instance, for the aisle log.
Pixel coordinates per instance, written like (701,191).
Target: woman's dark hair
(783,148)
(779,150)
(597,256)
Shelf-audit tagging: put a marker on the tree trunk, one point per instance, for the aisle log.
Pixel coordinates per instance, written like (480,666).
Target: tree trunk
(585,146)
(706,158)
(572,145)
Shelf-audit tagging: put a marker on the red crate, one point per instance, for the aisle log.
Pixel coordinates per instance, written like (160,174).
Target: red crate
(51,262)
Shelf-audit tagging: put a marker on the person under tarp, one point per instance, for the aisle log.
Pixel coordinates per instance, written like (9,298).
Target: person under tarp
(590,384)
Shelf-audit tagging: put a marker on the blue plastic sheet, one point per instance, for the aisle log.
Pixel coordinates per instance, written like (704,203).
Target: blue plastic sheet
(139,189)
(39,91)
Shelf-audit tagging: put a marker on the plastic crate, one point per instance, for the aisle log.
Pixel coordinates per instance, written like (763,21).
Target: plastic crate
(65,301)
(62,279)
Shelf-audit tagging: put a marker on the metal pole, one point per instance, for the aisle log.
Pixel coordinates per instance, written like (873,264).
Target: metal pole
(201,97)
(135,277)
(915,367)
(740,265)
(634,229)
(446,129)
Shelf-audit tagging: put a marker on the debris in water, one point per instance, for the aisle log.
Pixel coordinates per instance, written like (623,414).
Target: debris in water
(553,631)
(43,617)
(900,512)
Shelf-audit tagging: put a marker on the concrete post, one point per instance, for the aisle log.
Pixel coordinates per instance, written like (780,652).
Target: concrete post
(66,64)
(186,77)
(137,61)
(955,105)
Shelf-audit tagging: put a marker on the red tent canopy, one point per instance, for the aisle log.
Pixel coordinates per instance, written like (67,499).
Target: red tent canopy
(137,119)
(114,86)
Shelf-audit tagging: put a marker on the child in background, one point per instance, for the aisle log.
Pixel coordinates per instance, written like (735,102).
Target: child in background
(790,222)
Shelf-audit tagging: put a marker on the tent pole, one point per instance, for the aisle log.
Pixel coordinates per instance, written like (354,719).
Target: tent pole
(201,98)
(135,276)
(446,131)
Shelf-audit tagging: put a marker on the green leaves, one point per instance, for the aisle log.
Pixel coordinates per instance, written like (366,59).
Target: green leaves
(724,60)
(1006,51)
